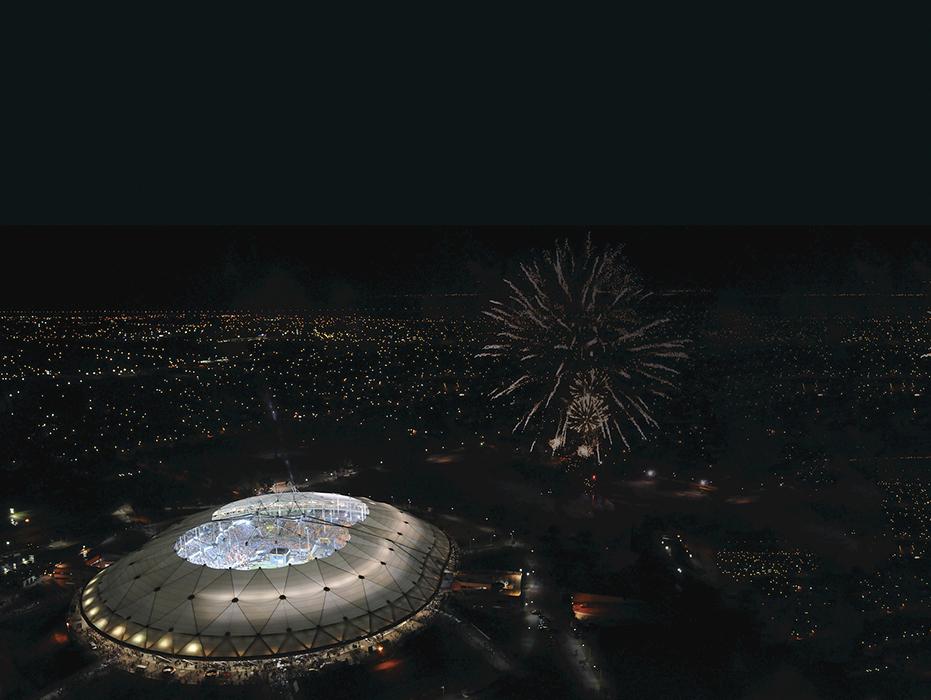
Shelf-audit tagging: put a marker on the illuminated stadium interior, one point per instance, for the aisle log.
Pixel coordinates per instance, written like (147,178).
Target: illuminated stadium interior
(272,531)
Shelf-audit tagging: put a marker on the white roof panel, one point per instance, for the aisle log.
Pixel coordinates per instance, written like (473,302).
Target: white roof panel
(170,591)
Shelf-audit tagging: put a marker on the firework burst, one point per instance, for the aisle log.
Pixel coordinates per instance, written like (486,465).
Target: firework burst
(587,416)
(589,364)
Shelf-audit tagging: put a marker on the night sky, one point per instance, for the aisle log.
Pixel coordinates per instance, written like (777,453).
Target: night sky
(228,267)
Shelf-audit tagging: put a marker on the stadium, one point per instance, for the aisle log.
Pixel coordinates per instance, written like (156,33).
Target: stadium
(296,578)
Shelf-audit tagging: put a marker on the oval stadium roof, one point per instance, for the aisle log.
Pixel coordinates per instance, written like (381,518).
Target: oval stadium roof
(303,571)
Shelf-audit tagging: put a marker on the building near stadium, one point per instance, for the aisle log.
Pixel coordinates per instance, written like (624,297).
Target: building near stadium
(297,576)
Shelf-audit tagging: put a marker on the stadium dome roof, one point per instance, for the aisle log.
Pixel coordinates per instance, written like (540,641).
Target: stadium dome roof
(268,575)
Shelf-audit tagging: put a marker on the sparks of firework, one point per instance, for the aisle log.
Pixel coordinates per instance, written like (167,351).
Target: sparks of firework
(587,413)
(590,363)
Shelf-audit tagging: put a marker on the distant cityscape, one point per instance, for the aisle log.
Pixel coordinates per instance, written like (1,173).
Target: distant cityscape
(785,497)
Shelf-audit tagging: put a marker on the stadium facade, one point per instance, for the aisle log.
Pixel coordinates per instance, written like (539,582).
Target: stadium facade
(295,575)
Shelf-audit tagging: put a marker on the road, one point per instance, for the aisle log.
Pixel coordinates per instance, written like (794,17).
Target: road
(578,655)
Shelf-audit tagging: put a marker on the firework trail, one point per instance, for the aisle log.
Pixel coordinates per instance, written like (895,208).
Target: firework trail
(280,452)
(590,365)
